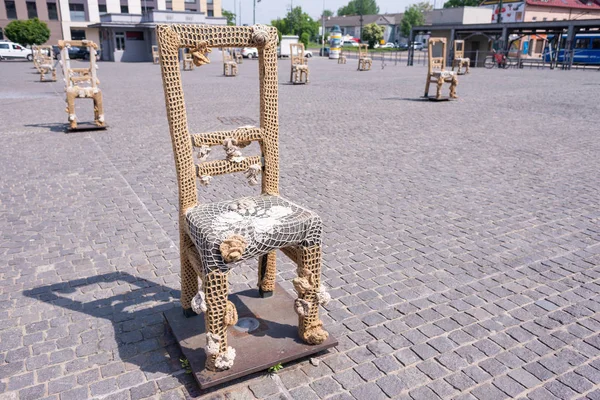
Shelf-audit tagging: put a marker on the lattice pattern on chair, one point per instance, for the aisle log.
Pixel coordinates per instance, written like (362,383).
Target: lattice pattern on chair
(299,72)
(436,69)
(43,61)
(214,236)
(229,65)
(364,61)
(342,58)
(155,58)
(459,59)
(81,83)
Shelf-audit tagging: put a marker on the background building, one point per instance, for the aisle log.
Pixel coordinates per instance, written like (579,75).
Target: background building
(79,19)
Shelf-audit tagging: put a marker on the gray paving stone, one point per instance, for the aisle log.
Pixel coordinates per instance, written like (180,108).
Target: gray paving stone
(368,391)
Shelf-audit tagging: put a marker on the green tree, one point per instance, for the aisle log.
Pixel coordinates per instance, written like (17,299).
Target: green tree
(373,33)
(27,32)
(230,17)
(461,3)
(327,13)
(304,38)
(359,7)
(297,22)
(413,16)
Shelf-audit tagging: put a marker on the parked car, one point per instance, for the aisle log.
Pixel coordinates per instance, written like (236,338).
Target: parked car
(403,46)
(14,50)
(82,53)
(250,52)
(388,45)
(350,43)
(418,46)
(308,53)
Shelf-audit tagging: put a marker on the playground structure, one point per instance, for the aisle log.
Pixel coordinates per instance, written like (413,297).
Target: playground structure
(436,70)
(81,83)
(299,72)
(459,59)
(364,61)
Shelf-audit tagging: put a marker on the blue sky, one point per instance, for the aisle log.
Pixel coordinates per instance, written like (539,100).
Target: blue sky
(268,10)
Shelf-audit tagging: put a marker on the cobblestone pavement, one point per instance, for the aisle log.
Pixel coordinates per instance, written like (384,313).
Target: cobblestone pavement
(461,248)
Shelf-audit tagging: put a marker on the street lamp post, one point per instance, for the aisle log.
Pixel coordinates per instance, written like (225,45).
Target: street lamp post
(323,30)
(254,12)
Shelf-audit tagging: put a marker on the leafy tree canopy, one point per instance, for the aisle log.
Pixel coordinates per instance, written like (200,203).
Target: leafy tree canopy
(27,32)
(373,33)
(359,7)
(297,22)
(461,3)
(327,13)
(230,17)
(413,16)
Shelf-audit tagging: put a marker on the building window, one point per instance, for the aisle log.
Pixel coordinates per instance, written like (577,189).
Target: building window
(192,10)
(534,18)
(596,44)
(11,10)
(31,10)
(52,11)
(134,35)
(582,43)
(120,40)
(102,9)
(77,34)
(191,1)
(210,13)
(147,10)
(209,1)
(124,9)
(77,12)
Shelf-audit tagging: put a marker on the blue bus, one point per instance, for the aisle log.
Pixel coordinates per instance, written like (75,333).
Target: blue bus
(586,49)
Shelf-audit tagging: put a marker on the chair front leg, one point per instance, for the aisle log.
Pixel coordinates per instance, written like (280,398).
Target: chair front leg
(440,82)
(71,95)
(220,314)
(98,109)
(427,83)
(267,272)
(310,295)
(453,85)
(189,277)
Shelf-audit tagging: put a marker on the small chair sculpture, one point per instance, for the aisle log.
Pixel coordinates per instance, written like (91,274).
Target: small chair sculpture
(44,62)
(364,61)
(237,55)
(459,57)
(188,62)
(213,236)
(229,64)
(155,58)
(81,83)
(436,70)
(342,58)
(299,72)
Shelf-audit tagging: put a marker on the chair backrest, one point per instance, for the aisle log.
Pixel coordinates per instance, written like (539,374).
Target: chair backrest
(459,49)
(297,53)
(439,61)
(363,50)
(200,39)
(78,76)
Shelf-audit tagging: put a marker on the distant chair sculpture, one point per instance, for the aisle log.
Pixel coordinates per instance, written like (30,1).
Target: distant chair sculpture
(229,64)
(213,236)
(155,56)
(299,72)
(459,58)
(342,58)
(364,61)
(436,70)
(43,61)
(237,55)
(81,83)
(188,62)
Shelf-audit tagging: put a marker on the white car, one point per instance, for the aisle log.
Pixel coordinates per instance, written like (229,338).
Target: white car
(14,50)
(350,43)
(388,45)
(418,46)
(250,52)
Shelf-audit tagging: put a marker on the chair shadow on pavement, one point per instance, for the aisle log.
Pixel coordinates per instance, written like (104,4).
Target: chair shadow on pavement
(132,318)
(133,321)
(53,127)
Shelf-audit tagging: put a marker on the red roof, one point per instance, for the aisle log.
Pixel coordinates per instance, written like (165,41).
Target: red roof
(579,4)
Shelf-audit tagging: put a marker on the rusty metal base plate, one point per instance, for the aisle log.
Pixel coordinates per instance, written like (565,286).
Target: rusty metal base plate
(85,126)
(265,335)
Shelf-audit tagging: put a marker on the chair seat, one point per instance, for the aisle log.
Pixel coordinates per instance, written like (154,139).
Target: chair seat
(462,59)
(265,222)
(301,66)
(443,74)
